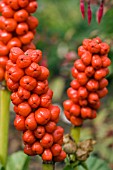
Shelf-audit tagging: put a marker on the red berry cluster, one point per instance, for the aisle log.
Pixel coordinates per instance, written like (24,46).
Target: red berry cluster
(35,114)
(17,27)
(89,85)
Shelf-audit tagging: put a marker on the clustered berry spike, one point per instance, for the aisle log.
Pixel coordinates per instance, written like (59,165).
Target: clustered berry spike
(89,84)
(17,28)
(36,116)
(89,12)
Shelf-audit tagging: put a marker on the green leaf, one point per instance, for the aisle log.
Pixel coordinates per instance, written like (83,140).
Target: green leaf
(17,161)
(95,163)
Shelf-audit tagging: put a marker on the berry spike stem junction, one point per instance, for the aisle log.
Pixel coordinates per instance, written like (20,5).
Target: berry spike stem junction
(75,133)
(48,166)
(4,123)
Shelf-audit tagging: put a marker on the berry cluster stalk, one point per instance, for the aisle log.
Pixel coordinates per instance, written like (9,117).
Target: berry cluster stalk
(4,123)
(75,134)
(46,166)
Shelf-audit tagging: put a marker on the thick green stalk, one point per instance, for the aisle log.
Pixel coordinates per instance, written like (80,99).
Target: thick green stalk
(4,124)
(75,134)
(48,166)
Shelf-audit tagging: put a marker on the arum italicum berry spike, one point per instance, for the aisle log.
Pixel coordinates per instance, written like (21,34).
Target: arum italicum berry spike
(89,12)
(36,116)
(100,11)
(89,83)
(82,8)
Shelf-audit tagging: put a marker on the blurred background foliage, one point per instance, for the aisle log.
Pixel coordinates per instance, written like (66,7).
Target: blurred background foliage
(61,30)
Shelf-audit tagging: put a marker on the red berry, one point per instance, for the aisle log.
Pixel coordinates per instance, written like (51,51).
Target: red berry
(28,83)
(50,127)
(41,87)
(32,7)
(23,93)
(42,116)
(99,74)
(85,43)
(96,62)
(56,149)
(105,61)
(83,102)
(15,98)
(86,58)
(12,86)
(86,112)
(82,93)
(75,84)
(103,92)
(30,122)
(81,51)
(58,134)
(19,123)
(92,85)
(34,101)
(28,150)
(60,157)
(55,112)
(79,65)
(28,137)
(33,70)
(37,148)
(75,110)
(93,98)
(45,100)
(67,104)
(46,141)
(15,73)
(103,83)
(82,78)
(35,55)
(39,132)
(104,48)
(74,72)
(23,61)
(47,155)
(89,71)
(76,121)
(43,74)
(24,109)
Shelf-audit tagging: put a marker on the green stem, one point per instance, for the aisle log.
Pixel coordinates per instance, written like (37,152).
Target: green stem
(4,124)
(75,134)
(48,166)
